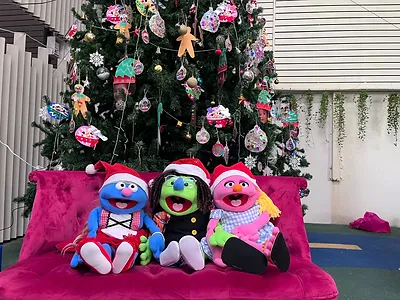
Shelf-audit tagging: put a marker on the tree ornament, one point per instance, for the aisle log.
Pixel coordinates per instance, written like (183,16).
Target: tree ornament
(294,162)
(227,11)
(250,162)
(158,68)
(120,105)
(210,21)
(124,79)
(43,114)
(113,13)
(89,136)
(157,25)
(71,125)
(183,29)
(186,43)
(218,149)
(141,7)
(124,26)
(277,81)
(188,136)
(119,40)
(290,118)
(228,44)
(222,68)
(220,40)
(219,116)
(290,144)
(144,104)
(226,153)
(103,73)
(58,111)
(138,67)
(248,75)
(145,36)
(256,140)
(79,99)
(202,136)
(259,166)
(192,82)
(89,37)
(218,52)
(193,93)
(72,30)
(96,59)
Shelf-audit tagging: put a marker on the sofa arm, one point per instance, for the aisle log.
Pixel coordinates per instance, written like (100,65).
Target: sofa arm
(62,203)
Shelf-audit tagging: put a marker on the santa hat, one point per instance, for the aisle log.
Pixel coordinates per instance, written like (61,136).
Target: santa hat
(221,172)
(116,173)
(190,166)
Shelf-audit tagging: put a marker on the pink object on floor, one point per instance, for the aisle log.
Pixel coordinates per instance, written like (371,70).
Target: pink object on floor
(62,204)
(371,222)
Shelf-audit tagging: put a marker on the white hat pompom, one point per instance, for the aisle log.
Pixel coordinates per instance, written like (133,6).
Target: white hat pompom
(90,170)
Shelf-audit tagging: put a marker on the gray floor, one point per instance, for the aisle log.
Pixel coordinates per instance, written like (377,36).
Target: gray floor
(11,252)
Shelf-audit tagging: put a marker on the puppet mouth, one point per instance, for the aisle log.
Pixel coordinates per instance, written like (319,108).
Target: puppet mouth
(178,204)
(122,204)
(236,200)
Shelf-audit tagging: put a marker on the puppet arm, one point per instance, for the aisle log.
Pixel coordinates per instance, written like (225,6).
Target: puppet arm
(220,237)
(156,240)
(250,231)
(94,222)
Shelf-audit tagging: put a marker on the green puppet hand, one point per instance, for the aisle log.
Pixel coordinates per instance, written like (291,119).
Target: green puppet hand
(146,254)
(220,237)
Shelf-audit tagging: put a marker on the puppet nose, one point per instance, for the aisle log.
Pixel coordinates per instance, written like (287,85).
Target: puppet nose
(237,188)
(127,192)
(178,184)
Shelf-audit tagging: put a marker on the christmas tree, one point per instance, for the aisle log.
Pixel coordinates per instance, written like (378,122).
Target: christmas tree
(152,81)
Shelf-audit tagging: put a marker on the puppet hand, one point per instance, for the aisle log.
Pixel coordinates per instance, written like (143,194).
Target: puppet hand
(246,232)
(157,244)
(220,237)
(144,247)
(75,261)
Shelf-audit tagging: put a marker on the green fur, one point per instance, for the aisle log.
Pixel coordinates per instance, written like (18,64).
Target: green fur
(189,193)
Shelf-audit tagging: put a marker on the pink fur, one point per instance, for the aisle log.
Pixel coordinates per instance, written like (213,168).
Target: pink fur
(225,188)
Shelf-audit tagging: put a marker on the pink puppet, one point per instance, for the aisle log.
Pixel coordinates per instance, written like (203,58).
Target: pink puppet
(239,232)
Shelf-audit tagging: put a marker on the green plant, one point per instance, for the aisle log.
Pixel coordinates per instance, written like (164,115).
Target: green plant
(309,108)
(393,115)
(323,109)
(362,108)
(304,207)
(339,117)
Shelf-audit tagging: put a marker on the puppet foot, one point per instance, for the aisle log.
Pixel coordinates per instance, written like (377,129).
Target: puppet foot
(96,257)
(171,255)
(279,253)
(124,257)
(271,242)
(218,262)
(192,253)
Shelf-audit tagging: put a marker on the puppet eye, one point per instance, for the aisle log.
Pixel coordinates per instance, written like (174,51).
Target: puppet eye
(229,184)
(244,184)
(186,184)
(133,187)
(120,185)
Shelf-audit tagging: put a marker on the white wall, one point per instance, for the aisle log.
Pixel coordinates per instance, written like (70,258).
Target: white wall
(368,176)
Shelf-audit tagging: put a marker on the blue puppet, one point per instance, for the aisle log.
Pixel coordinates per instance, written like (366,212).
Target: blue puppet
(110,243)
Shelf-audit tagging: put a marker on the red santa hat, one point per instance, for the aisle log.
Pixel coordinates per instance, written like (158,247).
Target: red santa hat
(190,166)
(221,172)
(116,173)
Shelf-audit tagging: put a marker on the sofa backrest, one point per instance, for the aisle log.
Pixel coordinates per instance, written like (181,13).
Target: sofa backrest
(65,198)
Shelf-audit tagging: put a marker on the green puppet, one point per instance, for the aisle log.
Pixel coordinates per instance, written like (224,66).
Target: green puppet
(181,202)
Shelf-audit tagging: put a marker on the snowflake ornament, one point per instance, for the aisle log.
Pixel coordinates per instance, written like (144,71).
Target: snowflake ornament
(96,59)
(294,162)
(86,82)
(250,162)
(43,114)
(59,167)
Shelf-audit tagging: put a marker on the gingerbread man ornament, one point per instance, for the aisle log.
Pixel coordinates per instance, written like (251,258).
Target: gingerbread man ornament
(186,43)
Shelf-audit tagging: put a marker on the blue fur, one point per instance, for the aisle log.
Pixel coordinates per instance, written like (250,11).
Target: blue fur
(179,184)
(111,192)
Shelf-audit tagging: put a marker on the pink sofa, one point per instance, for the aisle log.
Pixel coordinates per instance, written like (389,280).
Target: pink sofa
(62,204)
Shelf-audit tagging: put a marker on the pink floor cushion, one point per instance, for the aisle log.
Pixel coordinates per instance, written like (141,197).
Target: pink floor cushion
(62,204)
(371,222)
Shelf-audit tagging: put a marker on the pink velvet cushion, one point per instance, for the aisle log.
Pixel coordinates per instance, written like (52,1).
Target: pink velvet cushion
(49,276)
(62,204)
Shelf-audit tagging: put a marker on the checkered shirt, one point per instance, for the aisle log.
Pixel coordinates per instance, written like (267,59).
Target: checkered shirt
(230,220)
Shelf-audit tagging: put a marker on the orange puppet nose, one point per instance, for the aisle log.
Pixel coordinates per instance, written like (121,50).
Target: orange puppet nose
(237,188)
